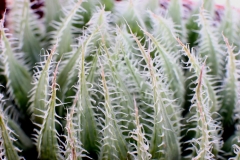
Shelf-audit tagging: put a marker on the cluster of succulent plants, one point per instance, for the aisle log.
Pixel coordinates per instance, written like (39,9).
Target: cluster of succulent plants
(128,80)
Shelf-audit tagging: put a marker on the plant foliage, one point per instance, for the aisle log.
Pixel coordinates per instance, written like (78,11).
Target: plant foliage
(119,80)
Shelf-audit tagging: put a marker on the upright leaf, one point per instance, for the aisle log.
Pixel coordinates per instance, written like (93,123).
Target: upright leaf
(51,13)
(47,136)
(8,151)
(164,29)
(168,62)
(18,77)
(85,115)
(210,100)
(209,6)
(166,118)
(209,45)
(229,25)
(73,148)
(132,14)
(90,39)
(114,145)
(129,70)
(63,30)
(175,10)
(41,81)
(142,147)
(111,58)
(26,30)
(194,64)
(207,130)
(230,86)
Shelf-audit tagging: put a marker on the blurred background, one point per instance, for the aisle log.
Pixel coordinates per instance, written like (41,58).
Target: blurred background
(235,3)
(188,3)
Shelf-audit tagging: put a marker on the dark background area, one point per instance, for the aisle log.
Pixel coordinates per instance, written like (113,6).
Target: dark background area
(2,7)
(36,6)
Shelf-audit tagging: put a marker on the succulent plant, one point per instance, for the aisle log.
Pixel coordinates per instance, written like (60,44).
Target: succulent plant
(127,80)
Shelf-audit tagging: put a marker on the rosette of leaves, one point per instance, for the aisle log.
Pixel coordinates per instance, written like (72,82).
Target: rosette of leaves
(113,85)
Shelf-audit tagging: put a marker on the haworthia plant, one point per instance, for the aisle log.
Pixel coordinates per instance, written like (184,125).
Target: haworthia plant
(119,79)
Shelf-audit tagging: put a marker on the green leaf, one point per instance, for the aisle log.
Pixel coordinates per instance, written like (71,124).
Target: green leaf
(63,34)
(166,118)
(207,135)
(99,22)
(85,114)
(229,25)
(6,139)
(230,87)
(210,102)
(23,140)
(109,4)
(114,145)
(192,29)
(194,64)
(26,29)
(142,146)
(209,6)
(175,11)
(111,59)
(46,138)
(18,78)
(169,65)
(129,70)
(51,13)
(39,93)
(209,45)
(132,12)
(166,30)
(73,148)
